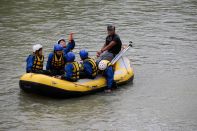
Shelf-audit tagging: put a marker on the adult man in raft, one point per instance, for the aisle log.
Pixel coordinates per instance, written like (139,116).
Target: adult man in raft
(111,47)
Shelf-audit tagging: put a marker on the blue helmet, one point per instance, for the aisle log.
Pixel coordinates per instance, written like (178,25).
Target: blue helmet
(58,47)
(83,54)
(70,56)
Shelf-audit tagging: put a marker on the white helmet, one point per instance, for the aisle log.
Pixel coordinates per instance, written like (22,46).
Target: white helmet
(36,47)
(103,64)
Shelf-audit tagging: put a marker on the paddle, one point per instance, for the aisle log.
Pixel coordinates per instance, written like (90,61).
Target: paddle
(119,55)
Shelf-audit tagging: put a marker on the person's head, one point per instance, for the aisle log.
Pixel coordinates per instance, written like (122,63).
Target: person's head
(110,29)
(37,49)
(70,57)
(83,54)
(62,42)
(103,64)
(58,49)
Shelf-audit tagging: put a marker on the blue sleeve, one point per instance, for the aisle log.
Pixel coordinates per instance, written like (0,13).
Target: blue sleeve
(87,68)
(109,72)
(66,50)
(48,66)
(29,60)
(71,45)
(69,71)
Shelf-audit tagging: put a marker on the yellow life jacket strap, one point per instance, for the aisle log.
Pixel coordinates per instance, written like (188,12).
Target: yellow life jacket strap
(109,64)
(58,63)
(94,66)
(76,69)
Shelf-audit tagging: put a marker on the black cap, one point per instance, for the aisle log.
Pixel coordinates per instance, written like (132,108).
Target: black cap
(111,28)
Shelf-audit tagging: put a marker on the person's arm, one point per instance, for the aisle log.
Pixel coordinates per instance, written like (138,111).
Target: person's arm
(70,46)
(71,43)
(29,60)
(48,66)
(111,44)
(104,45)
(115,40)
(66,50)
(107,47)
(100,51)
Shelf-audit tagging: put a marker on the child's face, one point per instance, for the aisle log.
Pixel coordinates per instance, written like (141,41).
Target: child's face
(59,53)
(63,43)
(40,52)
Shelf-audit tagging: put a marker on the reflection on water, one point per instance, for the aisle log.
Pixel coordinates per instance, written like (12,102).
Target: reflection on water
(163,96)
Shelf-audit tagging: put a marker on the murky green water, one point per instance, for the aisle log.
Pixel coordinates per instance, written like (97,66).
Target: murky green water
(163,95)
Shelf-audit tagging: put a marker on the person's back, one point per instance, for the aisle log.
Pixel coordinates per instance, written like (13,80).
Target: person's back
(89,67)
(71,68)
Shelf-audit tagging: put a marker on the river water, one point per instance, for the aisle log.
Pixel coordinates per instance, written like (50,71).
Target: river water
(163,96)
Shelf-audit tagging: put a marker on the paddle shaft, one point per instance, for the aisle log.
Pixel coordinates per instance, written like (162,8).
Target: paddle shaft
(119,55)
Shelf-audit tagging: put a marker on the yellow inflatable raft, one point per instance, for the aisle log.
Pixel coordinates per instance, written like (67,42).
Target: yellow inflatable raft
(50,86)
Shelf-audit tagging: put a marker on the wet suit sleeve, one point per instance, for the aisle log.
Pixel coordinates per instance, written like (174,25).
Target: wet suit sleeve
(29,60)
(48,66)
(66,50)
(70,46)
(109,73)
